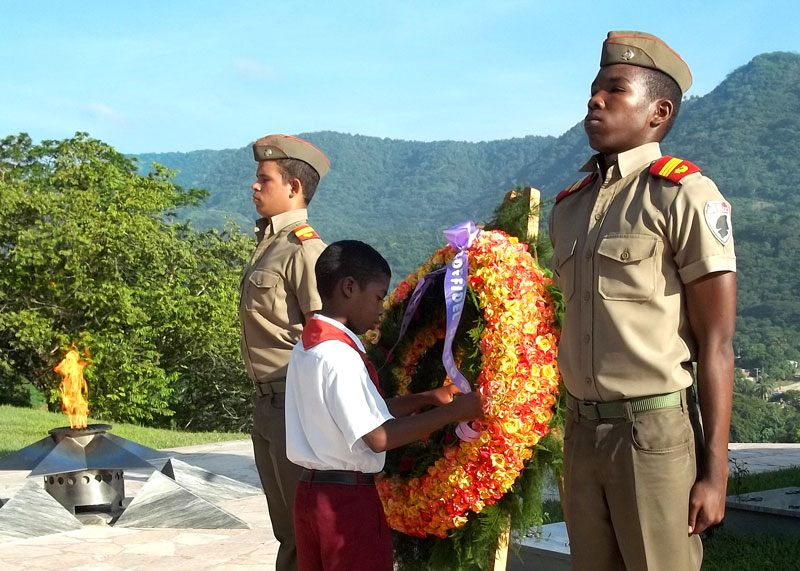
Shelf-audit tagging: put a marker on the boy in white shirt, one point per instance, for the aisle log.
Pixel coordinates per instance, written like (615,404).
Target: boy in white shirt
(338,427)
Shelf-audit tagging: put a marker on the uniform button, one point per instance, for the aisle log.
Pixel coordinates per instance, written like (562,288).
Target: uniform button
(258,281)
(625,255)
(587,338)
(587,254)
(598,216)
(587,296)
(588,381)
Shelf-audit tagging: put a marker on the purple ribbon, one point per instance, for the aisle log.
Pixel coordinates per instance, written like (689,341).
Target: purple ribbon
(460,237)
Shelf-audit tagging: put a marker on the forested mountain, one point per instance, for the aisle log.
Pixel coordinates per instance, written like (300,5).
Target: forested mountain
(399,195)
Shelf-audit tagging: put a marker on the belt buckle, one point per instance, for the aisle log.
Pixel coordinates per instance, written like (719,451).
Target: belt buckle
(590,405)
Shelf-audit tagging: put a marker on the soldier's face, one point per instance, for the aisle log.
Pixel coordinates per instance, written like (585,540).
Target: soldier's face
(270,194)
(620,111)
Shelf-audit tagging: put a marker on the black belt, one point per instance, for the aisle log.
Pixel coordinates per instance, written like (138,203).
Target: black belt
(337,477)
(271,388)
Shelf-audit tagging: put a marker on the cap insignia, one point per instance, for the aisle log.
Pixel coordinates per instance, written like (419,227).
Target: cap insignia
(627,54)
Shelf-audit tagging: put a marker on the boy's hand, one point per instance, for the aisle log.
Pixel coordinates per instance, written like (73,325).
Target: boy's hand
(443,395)
(470,406)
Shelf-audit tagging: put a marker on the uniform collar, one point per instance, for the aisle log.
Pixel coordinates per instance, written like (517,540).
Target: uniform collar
(269,227)
(628,161)
(343,327)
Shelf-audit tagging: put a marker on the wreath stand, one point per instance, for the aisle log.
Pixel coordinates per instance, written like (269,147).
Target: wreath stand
(530,196)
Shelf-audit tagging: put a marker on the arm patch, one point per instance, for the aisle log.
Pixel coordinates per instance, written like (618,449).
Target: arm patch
(574,188)
(673,169)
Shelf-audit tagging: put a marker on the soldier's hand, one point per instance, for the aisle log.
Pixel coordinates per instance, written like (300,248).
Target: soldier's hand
(706,505)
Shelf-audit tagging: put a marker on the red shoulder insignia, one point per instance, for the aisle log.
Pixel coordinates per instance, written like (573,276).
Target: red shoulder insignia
(673,169)
(305,232)
(574,188)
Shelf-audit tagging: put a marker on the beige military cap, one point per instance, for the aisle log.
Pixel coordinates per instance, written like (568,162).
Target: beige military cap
(645,50)
(273,147)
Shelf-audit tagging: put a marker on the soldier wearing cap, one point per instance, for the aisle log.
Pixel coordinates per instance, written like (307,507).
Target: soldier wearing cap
(643,252)
(278,295)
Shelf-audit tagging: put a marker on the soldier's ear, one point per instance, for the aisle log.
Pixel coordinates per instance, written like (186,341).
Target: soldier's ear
(662,111)
(297,187)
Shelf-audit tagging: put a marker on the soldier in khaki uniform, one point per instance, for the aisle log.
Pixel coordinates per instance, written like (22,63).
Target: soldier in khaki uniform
(643,253)
(278,296)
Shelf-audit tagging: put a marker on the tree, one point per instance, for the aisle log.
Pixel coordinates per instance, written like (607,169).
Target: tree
(754,420)
(90,256)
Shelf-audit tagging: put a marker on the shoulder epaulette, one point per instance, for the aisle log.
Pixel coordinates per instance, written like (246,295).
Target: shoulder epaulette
(305,232)
(575,187)
(673,169)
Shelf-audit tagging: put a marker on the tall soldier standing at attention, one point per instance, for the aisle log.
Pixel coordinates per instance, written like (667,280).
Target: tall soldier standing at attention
(643,253)
(278,296)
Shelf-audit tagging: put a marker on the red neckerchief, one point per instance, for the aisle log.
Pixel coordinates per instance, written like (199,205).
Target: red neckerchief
(318,330)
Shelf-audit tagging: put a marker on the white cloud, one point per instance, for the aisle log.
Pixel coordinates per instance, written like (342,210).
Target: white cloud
(253,69)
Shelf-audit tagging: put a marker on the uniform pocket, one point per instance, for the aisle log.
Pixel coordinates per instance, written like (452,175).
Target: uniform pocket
(262,289)
(627,267)
(661,431)
(564,268)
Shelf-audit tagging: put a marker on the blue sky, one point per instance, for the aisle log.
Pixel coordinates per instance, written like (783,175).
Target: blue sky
(178,76)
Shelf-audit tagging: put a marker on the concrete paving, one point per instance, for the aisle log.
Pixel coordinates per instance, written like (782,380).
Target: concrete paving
(103,548)
(766,457)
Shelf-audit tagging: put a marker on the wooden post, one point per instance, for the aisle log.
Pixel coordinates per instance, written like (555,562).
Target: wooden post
(499,562)
(534,197)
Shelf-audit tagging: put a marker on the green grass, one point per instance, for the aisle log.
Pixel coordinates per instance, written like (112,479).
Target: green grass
(746,483)
(20,427)
(726,551)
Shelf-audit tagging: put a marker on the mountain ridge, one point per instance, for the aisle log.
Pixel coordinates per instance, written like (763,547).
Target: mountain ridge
(400,195)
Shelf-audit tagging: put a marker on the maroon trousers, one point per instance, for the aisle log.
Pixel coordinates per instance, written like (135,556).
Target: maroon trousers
(341,527)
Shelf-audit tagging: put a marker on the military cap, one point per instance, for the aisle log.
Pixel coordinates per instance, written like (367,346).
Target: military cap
(645,50)
(274,147)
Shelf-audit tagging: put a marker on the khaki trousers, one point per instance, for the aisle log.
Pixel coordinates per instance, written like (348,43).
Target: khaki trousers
(627,484)
(279,477)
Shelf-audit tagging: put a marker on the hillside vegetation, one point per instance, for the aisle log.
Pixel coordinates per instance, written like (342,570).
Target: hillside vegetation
(400,195)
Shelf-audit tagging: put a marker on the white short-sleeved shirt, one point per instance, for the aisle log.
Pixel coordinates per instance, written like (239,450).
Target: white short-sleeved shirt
(330,404)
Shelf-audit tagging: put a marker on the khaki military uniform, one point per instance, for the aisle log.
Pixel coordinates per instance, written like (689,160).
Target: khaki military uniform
(624,245)
(278,288)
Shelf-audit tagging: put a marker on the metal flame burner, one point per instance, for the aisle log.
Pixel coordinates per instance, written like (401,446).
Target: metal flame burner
(87,490)
(63,432)
(80,491)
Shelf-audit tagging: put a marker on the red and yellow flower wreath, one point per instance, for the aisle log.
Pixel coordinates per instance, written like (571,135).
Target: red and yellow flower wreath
(518,375)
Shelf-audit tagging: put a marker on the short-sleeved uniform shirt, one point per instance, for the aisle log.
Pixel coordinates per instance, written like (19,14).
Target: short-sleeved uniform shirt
(331,403)
(278,288)
(624,245)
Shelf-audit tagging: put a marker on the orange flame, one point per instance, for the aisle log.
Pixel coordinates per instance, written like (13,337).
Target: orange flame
(73,388)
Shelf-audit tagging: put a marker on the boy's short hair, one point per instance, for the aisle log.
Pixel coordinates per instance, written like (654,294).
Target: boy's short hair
(349,258)
(661,86)
(295,168)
